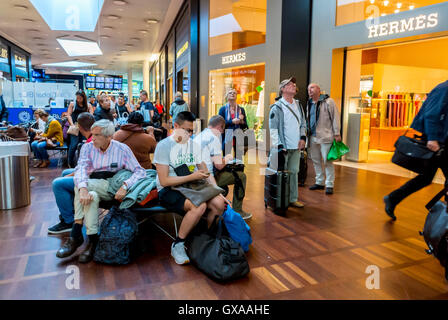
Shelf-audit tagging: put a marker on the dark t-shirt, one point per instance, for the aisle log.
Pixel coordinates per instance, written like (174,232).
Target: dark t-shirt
(101,113)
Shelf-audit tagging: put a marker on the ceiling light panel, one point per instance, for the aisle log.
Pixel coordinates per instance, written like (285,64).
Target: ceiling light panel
(70,64)
(75,48)
(87,71)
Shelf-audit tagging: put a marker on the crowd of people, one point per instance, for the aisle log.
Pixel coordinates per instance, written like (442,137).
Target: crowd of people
(107,157)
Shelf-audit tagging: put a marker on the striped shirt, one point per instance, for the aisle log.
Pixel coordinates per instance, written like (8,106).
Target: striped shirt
(92,159)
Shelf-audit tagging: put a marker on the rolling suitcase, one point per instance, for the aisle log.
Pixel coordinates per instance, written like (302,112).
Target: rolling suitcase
(276,190)
(303,169)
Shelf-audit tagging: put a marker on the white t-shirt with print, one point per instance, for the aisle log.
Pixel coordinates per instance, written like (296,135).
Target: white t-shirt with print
(169,152)
(210,145)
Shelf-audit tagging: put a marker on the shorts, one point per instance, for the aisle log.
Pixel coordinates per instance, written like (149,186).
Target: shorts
(172,200)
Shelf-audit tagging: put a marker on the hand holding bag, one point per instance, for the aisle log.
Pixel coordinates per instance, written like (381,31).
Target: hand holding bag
(337,150)
(73,130)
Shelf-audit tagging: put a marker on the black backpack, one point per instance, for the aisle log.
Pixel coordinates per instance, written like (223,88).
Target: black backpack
(118,235)
(217,255)
(435,231)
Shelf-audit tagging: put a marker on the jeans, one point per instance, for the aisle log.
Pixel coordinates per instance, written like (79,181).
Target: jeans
(73,144)
(319,153)
(40,150)
(64,192)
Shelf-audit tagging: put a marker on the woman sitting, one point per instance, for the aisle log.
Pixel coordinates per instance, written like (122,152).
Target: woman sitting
(142,142)
(38,125)
(51,138)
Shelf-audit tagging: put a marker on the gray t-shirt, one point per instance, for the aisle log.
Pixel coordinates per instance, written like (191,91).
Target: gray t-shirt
(169,152)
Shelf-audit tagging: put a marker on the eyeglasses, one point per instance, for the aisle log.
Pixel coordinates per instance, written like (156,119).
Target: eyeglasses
(189,131)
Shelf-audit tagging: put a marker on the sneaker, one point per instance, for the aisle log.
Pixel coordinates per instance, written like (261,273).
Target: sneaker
(317,187)
(297,204)
(179,254)
(329,190)
(245,215)
(61,227)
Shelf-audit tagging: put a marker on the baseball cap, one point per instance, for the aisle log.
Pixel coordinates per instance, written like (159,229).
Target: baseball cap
(284,83)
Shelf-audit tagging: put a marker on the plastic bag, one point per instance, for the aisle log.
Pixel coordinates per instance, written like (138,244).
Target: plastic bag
(338,149)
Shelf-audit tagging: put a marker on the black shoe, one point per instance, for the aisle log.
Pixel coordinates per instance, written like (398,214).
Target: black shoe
(317,187)
(69,247)
(329,191)
(390,207)
(87,255)
(61,227)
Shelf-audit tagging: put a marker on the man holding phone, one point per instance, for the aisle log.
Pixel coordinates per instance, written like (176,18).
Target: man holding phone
(179,160)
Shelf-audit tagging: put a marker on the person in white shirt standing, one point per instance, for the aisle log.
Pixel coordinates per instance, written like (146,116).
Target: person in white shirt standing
(324,128)
(287,125)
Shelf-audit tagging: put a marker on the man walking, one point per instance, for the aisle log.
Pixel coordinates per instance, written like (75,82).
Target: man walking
(287,126)
(323,128)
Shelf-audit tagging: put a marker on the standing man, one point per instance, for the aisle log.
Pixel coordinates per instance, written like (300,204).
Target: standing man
(287,126)
(432,122)
(146,107)
(178,106)
(323,127)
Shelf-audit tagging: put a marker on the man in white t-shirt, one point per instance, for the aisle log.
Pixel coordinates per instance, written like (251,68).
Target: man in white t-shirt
(180,152)
(210,141)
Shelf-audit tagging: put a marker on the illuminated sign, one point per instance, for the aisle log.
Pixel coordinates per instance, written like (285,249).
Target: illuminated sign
(420,22)
(20,61)
(3,54)
(239,57)
(182,50)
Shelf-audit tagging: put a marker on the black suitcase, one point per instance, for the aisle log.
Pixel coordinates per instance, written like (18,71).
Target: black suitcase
(435,231)
(276,190)
(303,169)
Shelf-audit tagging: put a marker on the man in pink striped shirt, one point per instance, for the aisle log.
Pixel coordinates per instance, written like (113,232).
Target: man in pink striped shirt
(98,161)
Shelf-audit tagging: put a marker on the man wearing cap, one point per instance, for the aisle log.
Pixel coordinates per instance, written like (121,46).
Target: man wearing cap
(324,128)
(287,124)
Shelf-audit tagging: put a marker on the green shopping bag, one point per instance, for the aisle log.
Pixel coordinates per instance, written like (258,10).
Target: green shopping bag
(338,149)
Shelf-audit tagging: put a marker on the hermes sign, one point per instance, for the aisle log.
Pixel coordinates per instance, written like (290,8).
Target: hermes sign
(239,57)
(420,22)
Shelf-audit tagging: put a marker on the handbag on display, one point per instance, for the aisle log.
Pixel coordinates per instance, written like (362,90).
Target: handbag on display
(73,130)
(413,154)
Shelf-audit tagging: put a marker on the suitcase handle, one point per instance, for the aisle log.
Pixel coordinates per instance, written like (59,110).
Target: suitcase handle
(437,198)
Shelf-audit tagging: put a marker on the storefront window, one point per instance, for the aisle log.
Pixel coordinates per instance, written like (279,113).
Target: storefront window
(249,83)
(350,11)
(385,89)
(236,24)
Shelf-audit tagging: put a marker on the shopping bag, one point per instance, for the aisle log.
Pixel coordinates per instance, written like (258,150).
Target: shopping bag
(338,149)
(238,229)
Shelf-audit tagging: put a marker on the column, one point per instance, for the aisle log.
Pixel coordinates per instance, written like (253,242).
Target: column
(146,76)
(130,93)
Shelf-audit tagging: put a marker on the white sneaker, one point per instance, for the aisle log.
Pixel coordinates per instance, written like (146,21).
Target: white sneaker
(179,254)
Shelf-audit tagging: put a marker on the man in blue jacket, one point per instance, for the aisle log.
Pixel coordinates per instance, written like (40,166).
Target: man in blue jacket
(432,122)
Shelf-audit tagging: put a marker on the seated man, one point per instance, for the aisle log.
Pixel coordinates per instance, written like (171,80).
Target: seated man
(173,152)
(99,160)
(64,187)
(142,142)
(210,142)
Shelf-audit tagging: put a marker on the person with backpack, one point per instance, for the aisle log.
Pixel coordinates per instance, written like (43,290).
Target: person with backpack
(324,126)
(145,107)
(287,127)
(179,105)
(432,122)
(99,160)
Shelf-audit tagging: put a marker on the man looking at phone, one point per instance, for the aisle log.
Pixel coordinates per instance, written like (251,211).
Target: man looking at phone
(178,160)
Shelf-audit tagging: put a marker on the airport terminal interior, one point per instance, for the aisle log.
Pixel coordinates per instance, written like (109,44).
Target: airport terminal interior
(104,104)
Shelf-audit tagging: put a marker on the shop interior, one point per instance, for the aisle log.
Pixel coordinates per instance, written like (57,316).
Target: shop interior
(384,90)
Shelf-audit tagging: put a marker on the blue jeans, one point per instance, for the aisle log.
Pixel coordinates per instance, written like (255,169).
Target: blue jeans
(40,150)
(73,143)
(64,192)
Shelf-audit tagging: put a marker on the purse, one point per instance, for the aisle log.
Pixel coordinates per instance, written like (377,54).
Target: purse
(218,255)
(413,154)
(73,130)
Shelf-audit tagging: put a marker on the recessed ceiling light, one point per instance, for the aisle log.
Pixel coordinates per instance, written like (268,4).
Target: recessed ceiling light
(104,36)
(76,48)
(29,20)
(383,14)
(124,50)
(143,31)
(87,71)
(399,4)
(128,45)
(113,17)
(70,64)
(38,38)
(386,3)
(58,48)
(108,28)
(20,7)
(120,2)
(397,11)
(135,39)
(411,7)
(152,21)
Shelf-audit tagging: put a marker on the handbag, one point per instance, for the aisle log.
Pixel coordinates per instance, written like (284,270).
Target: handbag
(337,150)
(218,255)
(413,154)
(238,229)
(73,130)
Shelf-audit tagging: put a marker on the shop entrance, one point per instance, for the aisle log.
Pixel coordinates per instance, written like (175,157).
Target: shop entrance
(385,88)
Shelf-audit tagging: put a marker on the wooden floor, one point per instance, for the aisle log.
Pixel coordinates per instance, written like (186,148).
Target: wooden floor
(319,252)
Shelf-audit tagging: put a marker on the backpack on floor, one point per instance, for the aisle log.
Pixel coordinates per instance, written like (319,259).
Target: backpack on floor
(435,230)
(118,235)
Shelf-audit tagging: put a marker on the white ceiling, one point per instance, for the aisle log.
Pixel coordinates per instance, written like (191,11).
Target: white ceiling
(37,38)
